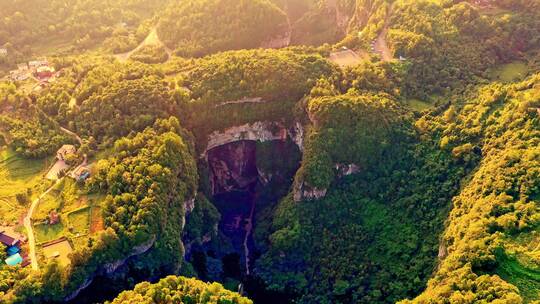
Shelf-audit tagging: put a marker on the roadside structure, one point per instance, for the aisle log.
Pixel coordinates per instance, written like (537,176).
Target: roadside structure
(64,151)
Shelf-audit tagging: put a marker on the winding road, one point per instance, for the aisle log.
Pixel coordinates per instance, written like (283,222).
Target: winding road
(27,221)
(380,45)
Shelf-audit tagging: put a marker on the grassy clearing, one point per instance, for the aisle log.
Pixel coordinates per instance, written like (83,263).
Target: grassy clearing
(46,233)
(60,250)
(49,203)
(18,176)
(79,221)
(510,72)
(419,105)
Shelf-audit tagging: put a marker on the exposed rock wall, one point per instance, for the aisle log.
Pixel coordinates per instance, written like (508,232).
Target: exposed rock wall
(232,167)
(257,131)
(303,191)
(110,268)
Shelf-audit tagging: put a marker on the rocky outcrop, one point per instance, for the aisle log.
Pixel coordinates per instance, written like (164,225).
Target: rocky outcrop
(189,205)
(443,252)
(257,131)
(75,293)
(296,133)
(242,101)
(110,268)
(304,192)
(233,167)
(346,170)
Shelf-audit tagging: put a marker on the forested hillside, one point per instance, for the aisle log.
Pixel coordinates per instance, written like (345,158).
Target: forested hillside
(197,28)
(38,27)
(270,151)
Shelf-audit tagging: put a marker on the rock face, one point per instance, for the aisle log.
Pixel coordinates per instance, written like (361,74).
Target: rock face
(233,167)
(110,268)
(304,192)
(346,170)
(257,131)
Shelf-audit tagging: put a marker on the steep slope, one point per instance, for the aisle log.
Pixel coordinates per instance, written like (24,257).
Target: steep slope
(491,238)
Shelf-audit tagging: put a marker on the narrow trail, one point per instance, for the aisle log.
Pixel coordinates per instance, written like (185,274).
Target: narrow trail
(151,39)
(380,45)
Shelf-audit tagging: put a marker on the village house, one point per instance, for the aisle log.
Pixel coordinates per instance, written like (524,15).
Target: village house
(43,72)
(3,52)
(38,63)
(64,151)
(13,249)
(81,174)
(7,240)
(18,75)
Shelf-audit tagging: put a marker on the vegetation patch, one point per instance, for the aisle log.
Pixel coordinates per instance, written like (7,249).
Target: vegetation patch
(47,233)
(510,72)
(79,221)
(20,179)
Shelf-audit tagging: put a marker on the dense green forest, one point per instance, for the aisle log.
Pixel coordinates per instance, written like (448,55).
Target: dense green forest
(408,174)
(197,28)
(36,27)
(175,289)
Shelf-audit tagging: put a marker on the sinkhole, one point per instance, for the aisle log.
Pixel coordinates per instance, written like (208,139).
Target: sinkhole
(244,180)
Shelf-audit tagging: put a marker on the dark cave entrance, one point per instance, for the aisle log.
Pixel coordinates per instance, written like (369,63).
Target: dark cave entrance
(245,181)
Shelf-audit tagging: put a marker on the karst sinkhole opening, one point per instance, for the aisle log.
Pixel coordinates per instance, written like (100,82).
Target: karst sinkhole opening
(245,181)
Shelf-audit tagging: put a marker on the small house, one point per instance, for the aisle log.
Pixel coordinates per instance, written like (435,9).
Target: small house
(44,72)
(64,151)
(18,75)
(14,260)
(81,174)
(37,63)
(8,241)
(3,52)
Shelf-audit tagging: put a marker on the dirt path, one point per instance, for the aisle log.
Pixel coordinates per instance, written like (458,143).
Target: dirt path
(380,45)
(27,222)
(151,39)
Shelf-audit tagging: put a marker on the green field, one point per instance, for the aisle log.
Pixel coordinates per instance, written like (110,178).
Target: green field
(17,175)
(79,221)
(419,105)
(46,233)
(510,72)
(526,278)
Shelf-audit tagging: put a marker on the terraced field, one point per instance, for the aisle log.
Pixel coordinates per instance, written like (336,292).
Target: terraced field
(519,263)
(18,176)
